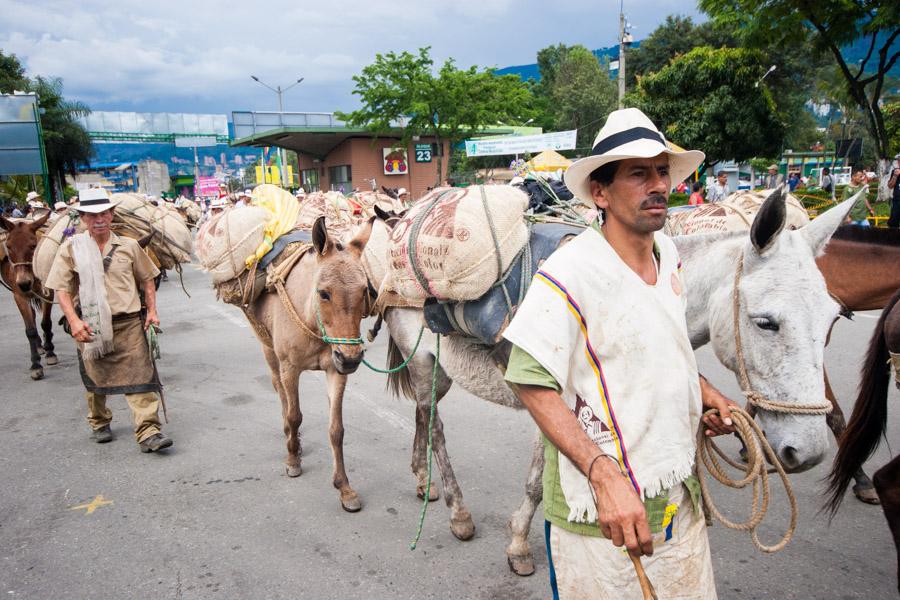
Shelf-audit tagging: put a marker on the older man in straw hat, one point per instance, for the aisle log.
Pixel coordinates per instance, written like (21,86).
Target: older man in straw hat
(602,360)
(100,272)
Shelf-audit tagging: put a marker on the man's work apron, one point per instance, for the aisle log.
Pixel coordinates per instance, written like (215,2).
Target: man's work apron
(126,370)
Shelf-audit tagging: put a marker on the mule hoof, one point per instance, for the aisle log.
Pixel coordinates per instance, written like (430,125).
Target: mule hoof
(521,565)
(293,470)
(37,374)
(432,493)
(351,502)
(52,360)
(866,494)
(463,527)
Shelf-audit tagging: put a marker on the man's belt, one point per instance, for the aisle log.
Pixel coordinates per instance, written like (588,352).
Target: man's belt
(125,316)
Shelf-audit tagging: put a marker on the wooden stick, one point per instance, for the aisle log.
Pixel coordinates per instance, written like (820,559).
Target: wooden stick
(647,588)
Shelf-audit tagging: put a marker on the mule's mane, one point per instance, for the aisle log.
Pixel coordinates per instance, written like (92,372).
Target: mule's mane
(868,235)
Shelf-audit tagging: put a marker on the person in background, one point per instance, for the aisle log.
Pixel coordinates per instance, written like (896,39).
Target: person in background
(773,179)
(862,209)
(719,190)
(894,185)
(16,213)
(403,196)
(794,180)
(696,198)
(827,182)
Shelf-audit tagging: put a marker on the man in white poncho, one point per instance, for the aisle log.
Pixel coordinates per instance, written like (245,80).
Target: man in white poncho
(602,360)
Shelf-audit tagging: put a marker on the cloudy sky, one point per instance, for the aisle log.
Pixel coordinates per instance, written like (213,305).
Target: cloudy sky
(198,55)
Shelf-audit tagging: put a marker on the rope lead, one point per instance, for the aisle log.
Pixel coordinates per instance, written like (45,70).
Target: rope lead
(434,372)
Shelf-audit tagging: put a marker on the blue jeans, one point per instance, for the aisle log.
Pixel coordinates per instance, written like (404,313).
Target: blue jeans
(861,223)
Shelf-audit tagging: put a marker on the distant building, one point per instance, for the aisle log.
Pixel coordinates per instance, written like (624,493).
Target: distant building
(333,156)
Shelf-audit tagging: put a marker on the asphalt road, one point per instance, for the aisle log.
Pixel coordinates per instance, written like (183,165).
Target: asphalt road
(216,517)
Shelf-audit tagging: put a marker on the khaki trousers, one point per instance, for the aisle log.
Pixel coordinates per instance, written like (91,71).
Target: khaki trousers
(680,568)
(144,410)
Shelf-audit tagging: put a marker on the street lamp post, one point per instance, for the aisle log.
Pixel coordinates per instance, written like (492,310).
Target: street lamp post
(280,92)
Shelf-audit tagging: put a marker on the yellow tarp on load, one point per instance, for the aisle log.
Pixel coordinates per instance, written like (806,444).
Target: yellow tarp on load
(284,209)
(548,160)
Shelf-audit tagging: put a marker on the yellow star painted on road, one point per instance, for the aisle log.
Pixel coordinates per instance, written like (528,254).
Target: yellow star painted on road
(93,505)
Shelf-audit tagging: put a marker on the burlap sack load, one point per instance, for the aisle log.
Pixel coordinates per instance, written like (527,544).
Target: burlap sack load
(49,243)
(189,209)
(445,247)
(368,200)
(171,243)
(225,241)
(735,213)
(336,209)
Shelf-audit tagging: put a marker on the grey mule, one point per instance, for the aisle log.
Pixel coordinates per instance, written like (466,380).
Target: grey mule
(155,442)
(102,435)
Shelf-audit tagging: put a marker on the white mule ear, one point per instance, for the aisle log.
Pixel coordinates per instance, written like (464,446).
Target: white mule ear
(819,231)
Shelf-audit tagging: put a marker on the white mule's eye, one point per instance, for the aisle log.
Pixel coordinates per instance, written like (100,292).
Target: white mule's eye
(766,323)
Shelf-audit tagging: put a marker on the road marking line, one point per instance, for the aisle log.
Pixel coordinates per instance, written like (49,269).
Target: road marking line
(93,505)
(228,315)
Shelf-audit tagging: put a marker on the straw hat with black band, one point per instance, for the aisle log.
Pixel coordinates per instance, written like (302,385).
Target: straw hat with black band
(93,200)
(629,133)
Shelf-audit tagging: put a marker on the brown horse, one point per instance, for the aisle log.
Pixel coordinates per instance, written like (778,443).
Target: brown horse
(868,421)
(18,277)
(860,266)
(302,326)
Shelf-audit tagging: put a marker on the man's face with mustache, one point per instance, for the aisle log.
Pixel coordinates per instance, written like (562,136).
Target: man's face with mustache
(638,196)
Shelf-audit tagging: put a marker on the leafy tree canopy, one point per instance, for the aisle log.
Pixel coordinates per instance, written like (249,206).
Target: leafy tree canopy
(402,89)
(706,99)
(12,74)
(581,94)
(827,26)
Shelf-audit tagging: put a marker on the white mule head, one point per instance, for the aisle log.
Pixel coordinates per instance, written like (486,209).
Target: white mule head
(785,314)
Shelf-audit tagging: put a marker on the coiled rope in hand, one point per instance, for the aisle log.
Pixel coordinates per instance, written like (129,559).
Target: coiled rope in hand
(756,473)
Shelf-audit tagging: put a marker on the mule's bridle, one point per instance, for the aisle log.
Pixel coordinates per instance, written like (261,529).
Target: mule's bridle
(11,261)
(753,397)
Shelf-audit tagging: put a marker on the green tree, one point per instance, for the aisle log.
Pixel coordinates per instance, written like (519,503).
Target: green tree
(678,35)
(581,94)
(829,25)
(65,139)
(401,95)
(707,99)
(12,74)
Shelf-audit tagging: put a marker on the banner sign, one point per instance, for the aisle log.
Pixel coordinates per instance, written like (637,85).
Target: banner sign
(395,162)
(207,186)
(560,140)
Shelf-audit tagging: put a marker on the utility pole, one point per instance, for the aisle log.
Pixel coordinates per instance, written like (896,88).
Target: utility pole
(621,54)
(280,92)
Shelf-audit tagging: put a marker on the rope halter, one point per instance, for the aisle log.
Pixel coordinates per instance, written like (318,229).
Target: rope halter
(335,341)
(753,397)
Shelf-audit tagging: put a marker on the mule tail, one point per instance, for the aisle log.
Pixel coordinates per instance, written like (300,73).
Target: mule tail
(400,381)
(869,418)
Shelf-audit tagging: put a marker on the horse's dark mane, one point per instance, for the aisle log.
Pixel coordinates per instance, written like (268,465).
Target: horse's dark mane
(868,235)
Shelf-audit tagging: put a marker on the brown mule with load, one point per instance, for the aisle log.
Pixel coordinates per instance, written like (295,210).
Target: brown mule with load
(305,294)
(17,247)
